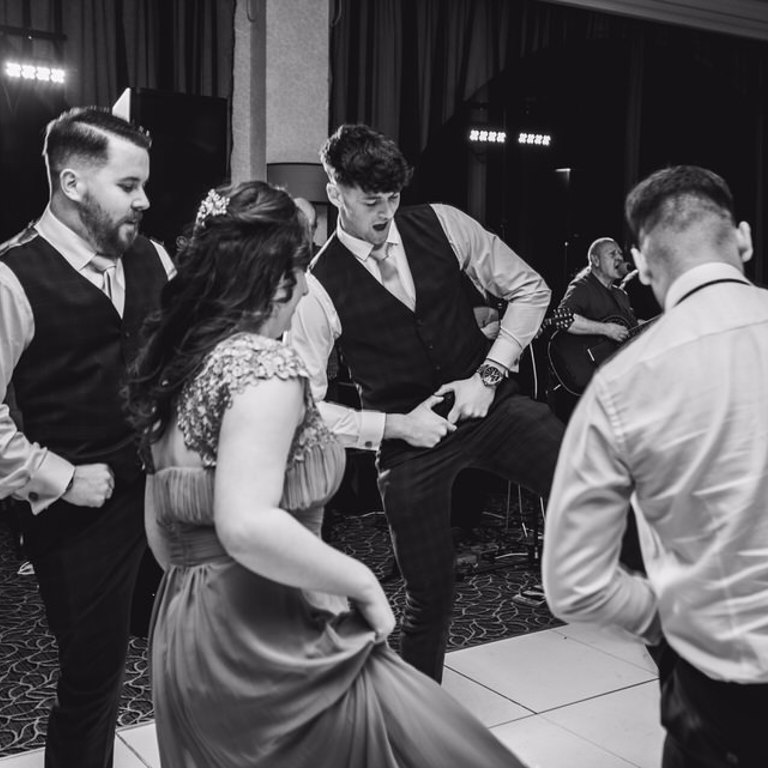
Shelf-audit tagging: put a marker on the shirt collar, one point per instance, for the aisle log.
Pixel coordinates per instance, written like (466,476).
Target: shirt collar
(67,242)
(696,276)
(362,248)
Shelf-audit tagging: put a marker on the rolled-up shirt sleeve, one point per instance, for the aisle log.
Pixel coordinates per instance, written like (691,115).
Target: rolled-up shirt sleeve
(586,518)
(28,471)
(494,267)
(314,329)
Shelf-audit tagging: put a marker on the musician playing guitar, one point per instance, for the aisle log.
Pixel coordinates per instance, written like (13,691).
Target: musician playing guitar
(601,311)
(602,320)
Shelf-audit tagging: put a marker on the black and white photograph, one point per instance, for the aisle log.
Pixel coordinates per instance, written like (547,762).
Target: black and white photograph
(383,383)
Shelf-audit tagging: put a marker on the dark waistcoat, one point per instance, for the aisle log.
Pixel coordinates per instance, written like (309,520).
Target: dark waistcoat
(67,382)
(396,357)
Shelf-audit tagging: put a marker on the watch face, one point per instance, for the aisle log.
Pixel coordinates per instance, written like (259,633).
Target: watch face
(490,375)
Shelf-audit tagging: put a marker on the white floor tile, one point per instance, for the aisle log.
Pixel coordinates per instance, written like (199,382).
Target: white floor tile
(545,669)
(625,723)
(488,707)
(127,758)
(32,759)
(542,744)
(598,691)
(611,640)
(124,758)
(143,741)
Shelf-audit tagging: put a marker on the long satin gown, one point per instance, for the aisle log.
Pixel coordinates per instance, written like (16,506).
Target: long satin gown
(247,672)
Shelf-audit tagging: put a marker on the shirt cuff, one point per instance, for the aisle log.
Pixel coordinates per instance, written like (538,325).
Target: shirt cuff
(506,353)
(49,483)
(371,430)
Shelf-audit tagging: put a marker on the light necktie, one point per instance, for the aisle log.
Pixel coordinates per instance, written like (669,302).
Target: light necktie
(390,277)
(106,267)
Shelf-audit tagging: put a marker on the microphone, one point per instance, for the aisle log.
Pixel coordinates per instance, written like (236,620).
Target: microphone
(624,268)
(629,276)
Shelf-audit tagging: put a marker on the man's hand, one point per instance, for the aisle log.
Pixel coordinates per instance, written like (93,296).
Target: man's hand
(92,485)
(615,331)
(473,398)
(422,427)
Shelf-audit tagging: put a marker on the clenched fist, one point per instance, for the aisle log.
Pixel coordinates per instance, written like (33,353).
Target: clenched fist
(92,485)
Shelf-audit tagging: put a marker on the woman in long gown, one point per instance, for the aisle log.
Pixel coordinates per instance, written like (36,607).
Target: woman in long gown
(268,646)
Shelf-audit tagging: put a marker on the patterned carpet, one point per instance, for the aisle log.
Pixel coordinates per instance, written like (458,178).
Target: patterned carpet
(493,565)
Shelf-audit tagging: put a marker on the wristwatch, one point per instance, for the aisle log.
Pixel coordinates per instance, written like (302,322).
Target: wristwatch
(491,375)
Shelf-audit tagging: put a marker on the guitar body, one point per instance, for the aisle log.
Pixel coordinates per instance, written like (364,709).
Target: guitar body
(575,357)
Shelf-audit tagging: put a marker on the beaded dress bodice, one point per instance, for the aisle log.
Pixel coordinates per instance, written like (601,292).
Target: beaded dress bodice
(315,462)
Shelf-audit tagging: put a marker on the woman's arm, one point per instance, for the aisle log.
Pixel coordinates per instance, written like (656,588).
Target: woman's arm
(255,438)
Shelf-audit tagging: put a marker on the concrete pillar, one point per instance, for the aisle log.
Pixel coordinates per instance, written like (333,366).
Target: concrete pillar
(280,89)
(249,101)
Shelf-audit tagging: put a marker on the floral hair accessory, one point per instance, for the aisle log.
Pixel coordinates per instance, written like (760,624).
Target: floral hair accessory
(213,205)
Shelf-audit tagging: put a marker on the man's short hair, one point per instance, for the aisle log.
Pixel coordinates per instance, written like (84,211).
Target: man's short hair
(356,155)
(597,245)
(82,134)
(676,198)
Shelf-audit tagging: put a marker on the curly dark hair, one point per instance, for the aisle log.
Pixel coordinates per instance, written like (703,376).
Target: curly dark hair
(356,155)
(228,275)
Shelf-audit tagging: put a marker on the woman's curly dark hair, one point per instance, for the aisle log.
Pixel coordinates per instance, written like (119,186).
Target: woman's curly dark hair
(229,271)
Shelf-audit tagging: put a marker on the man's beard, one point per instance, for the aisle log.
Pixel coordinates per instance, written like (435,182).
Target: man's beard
(104,232)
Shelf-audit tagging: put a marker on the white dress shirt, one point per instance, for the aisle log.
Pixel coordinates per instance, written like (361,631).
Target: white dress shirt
(676,423)
(27,470)
(488,262)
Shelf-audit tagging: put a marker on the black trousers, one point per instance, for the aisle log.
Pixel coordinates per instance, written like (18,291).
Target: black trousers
(711,723)
(86,562)
(518,440)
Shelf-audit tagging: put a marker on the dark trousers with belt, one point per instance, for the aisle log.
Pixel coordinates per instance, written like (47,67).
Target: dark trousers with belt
(711,723)
(518,440)
(86,562)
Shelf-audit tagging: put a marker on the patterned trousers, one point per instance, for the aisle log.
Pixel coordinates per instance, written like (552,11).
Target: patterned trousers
(519,441)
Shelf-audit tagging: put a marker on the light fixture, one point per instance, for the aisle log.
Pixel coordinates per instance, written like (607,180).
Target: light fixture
(485,136)
(534,139)
(43,73)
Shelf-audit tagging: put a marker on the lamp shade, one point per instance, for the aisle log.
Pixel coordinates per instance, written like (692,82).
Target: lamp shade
(306,180)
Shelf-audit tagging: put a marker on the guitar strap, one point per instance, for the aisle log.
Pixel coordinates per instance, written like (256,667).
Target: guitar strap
(711,282)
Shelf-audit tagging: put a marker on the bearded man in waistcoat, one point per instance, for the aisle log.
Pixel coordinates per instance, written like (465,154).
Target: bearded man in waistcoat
(74,290)
(387,288)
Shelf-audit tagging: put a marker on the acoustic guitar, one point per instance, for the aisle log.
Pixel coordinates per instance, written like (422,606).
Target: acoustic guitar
(574,358)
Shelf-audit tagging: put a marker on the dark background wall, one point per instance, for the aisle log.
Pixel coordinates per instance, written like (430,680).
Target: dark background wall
(178,53)
(621,97)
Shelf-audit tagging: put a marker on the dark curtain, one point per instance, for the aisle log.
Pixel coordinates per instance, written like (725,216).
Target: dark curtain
(411,68)
(406,66)
(183,46)
(180,50)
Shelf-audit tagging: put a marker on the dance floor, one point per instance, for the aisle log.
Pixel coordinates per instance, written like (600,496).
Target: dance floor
(492,565)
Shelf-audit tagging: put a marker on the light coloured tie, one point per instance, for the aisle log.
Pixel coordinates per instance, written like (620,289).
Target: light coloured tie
(107,268)
(390,277)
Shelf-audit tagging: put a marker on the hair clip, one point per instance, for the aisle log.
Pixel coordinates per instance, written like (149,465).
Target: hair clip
(213,205)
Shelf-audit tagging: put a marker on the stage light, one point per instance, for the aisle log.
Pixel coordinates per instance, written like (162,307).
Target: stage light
(535,139)
(41,72)
(485,136)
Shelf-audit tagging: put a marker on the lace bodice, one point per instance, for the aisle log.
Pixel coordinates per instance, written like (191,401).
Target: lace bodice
(236,363)
(315,461)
